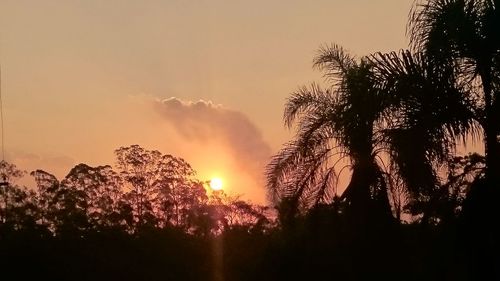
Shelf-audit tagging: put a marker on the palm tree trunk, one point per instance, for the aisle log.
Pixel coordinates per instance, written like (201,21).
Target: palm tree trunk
(365,181)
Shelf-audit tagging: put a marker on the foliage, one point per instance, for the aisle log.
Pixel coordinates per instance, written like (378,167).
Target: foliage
(341,122)
(149,190)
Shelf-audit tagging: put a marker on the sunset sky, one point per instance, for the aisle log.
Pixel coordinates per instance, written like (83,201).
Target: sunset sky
(202,80)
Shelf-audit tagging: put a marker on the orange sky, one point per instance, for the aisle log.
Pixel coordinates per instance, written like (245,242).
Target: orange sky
(81,78)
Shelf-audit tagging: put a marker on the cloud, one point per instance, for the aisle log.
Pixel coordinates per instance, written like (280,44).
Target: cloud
(204,121)
(216,140)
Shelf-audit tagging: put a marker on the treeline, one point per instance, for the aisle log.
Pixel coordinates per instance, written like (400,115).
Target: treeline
(145,190)
(147,218)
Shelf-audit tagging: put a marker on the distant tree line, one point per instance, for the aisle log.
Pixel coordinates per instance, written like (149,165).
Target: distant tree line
(146,189)
(147,218)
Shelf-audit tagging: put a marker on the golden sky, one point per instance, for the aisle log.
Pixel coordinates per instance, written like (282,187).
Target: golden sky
(82,78)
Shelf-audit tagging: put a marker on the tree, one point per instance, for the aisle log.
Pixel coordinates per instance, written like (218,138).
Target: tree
(161,187)
(17,207)
(103,191)
(64,208)
(448,198)
(139,169)
(341,122)
(180,200)
(9,172)
(464,34)
(424,103)
(236,214)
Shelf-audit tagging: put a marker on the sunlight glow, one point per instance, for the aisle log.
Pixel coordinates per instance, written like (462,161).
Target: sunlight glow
(216,184)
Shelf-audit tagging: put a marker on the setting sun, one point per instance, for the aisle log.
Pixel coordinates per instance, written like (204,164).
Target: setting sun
(216,184)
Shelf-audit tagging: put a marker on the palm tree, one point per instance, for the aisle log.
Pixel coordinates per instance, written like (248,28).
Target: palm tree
(340,123)
(427,113)
(465,34)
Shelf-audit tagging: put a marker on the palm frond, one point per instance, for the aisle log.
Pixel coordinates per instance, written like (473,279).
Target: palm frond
(305,101)
(428,113)
(420,92)
(334,61)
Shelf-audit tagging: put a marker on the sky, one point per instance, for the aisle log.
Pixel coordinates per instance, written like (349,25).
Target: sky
(202,80)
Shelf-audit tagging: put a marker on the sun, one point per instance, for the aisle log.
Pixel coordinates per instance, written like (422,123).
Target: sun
(216,184)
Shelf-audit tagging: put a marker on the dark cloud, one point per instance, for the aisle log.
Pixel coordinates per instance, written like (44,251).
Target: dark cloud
(203,121)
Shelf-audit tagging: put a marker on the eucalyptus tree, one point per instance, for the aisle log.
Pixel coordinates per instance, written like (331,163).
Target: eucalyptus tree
(333,126)
(64,208)
(103,191)
(17,205)
(161,188)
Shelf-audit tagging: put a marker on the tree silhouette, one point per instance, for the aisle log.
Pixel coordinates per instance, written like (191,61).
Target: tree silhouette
(343,121)
(18,209)
(464,34)
(64,208)
(103,190)
(157,183)
(424,104)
